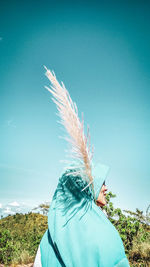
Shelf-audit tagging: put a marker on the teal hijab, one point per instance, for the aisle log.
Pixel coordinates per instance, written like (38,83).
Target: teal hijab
(79,233)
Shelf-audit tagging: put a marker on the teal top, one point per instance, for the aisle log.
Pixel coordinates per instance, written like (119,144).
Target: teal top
(79,233)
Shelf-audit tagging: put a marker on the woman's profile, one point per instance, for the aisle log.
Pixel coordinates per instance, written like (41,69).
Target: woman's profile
(79,233)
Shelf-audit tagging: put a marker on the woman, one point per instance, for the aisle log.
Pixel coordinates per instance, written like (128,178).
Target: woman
(79,233)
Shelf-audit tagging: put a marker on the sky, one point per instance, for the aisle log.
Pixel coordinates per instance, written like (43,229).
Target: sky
(101,51)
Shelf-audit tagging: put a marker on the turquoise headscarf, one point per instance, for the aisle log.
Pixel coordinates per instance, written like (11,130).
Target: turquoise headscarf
(79,233)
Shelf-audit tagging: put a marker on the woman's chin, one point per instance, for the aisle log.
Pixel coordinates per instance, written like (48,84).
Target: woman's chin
(101,203)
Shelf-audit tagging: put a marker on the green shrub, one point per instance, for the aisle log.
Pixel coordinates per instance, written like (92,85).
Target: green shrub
(21,234)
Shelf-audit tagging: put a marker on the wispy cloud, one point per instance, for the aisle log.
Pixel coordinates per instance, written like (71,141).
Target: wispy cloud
(8,211)
(1,38)
(11,208)
(15,207)
(16,168)
(18,210)
(14,204)
(10,123)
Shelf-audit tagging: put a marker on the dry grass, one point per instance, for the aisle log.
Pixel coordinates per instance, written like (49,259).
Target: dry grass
(140,251)
(23,259)
(18,265)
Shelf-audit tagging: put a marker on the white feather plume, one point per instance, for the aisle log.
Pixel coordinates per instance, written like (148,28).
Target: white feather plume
(68,112)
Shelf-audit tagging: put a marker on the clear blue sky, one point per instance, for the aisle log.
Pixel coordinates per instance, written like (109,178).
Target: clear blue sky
(101,51)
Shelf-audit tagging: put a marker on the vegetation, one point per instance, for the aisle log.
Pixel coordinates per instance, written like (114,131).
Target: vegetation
(134,230)
(20,234)
(44,208)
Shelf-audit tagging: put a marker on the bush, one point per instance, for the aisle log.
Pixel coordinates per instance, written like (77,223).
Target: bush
(20,236)
(6,246)
(134,231)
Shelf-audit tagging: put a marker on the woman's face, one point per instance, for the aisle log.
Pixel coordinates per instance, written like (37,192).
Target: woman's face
(101,200)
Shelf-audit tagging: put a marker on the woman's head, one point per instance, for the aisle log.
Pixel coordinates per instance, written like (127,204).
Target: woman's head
(100,172)
(101,200)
